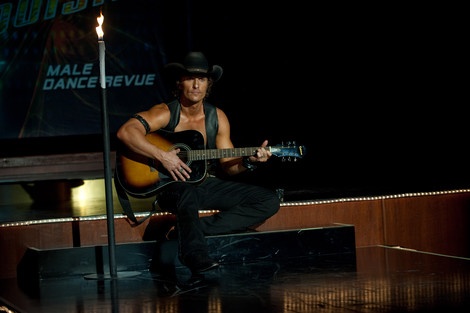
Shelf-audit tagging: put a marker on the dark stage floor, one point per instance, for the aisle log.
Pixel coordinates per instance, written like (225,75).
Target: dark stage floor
(380,279)
(375,279)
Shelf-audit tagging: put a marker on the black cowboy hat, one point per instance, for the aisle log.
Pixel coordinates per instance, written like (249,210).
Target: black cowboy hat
(195,63)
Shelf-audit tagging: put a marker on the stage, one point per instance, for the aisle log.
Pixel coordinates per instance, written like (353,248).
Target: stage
(380,279)
(341,267)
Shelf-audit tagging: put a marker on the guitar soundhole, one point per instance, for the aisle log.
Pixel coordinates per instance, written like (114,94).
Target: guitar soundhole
(184,152)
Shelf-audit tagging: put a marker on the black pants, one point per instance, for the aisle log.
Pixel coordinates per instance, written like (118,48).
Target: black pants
(240,206)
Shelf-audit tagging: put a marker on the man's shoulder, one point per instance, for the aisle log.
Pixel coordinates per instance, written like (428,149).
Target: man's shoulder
(160,107)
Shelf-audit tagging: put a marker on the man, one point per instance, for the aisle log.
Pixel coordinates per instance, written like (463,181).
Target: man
(239,205)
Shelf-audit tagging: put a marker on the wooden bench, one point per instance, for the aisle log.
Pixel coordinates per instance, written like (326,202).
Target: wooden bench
(88,165)
(54,158)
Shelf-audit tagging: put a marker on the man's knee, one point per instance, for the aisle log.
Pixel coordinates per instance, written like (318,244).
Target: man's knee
(273,206)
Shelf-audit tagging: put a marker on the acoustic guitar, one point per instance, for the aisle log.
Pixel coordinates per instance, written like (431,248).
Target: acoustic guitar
(143,177)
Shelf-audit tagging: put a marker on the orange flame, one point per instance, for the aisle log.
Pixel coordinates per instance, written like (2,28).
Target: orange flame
(99,30)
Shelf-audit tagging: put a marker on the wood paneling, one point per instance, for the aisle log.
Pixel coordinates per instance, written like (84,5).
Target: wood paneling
(436,223)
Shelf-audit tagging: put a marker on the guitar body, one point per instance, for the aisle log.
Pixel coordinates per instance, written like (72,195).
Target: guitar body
(143,177)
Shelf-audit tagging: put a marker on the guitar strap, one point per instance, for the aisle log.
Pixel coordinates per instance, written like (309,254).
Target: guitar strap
(127,207)
(211,131)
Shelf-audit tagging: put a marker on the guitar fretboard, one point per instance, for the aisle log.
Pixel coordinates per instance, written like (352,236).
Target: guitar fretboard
(195,155)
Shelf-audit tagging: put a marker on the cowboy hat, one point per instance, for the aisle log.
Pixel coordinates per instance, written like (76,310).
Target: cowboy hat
(195,63)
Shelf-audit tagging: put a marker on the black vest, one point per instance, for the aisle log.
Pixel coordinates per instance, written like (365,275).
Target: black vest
(212,126)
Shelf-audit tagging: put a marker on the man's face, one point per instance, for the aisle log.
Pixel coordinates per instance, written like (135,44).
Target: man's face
(194,87)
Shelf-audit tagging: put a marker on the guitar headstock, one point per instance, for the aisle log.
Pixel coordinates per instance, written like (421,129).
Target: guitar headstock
(289,151)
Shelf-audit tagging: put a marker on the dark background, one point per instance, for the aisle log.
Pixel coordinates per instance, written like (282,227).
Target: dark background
(376,93)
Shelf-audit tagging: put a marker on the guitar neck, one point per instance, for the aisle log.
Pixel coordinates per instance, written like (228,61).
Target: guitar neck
(207,154)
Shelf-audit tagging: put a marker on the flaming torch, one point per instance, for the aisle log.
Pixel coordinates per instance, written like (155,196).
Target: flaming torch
(108,178)
(106,153)
(102,49)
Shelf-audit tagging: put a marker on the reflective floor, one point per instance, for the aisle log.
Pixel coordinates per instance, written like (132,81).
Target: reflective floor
(380,279)
(375,279)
